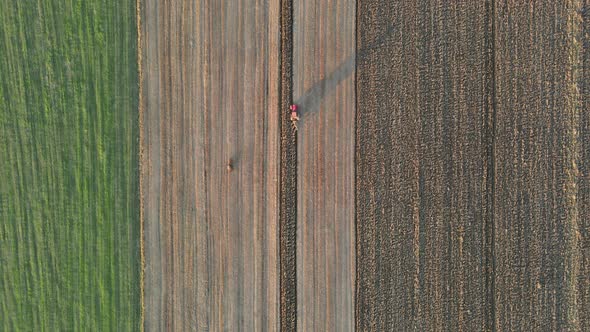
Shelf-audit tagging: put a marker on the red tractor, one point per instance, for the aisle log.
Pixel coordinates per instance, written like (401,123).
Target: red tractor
(294,115)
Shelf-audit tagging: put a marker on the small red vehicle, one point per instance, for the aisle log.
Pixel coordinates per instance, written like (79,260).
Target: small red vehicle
(294,115)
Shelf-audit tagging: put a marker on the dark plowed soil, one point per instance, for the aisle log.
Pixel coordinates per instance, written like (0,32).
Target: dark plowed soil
(288,185)
(472,166)
(423,213)
(583,199)
(536,212)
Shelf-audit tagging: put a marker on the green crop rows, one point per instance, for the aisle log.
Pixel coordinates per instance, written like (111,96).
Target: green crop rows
(69,205)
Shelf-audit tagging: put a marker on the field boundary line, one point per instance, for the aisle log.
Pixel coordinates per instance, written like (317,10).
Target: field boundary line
(141,164)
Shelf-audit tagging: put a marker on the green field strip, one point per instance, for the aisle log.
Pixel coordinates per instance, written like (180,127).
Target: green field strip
(69,204)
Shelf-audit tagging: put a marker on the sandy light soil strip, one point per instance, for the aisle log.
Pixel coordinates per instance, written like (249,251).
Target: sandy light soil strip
(210,164)
(323,87)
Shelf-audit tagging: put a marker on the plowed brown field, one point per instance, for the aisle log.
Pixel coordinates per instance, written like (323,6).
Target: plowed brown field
(438,178)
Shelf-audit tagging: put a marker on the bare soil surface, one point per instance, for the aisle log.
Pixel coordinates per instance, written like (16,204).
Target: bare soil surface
(472,166)
(423,172)
(537,208)
(210,165)
(439,178)
(323,86)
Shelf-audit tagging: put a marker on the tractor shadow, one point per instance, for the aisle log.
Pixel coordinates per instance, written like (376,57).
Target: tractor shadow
(309,102)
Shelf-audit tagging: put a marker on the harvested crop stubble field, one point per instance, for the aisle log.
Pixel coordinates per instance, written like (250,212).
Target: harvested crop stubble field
(69,203)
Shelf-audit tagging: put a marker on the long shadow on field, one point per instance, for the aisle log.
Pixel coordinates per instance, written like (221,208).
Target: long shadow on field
(309,102)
